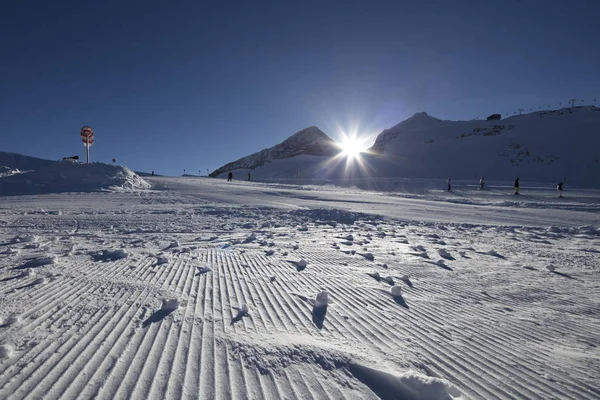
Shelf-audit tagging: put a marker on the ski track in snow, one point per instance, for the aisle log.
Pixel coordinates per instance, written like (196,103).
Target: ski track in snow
(492,321)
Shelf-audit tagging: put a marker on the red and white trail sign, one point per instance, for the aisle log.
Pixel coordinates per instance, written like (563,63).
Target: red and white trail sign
(87,137)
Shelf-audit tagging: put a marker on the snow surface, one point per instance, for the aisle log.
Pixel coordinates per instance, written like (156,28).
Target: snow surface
(86,311)
(542,147)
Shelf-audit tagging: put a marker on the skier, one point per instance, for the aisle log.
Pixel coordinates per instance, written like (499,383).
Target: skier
(449,184)
(559,187)
(248,176)
(481,183)
(517,186)
(152,173)
(230,176)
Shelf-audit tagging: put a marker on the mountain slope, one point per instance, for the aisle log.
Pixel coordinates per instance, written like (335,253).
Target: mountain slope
(545,146)
(310,141)
(419,121)
(542,146)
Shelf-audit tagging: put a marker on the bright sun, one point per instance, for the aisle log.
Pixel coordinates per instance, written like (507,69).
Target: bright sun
(352,147)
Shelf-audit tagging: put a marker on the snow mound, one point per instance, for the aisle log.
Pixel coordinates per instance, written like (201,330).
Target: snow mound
(161,260)
(11,320)
(322,299)
(174,244)
(109,255)
(58,177)
(300,265)
(203,270)
(40,281)
(410,385)
(27,273)
(396,291)
(26,239)
(170,304)
(39,262)
(6,351)
(243,310)
(445,254)
(493,253)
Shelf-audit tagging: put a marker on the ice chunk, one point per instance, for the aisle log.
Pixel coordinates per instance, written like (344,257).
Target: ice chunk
(170,304)
(396,291)
(322,299)
(6,351)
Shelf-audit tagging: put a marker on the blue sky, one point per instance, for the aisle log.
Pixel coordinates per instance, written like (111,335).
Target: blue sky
(194,84)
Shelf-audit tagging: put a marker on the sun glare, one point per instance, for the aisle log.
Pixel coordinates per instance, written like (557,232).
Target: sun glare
(352,147)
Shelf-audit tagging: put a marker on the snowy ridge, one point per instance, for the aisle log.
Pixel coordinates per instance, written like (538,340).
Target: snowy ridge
(201,296)
(35,176)
(310,141)
(418,122)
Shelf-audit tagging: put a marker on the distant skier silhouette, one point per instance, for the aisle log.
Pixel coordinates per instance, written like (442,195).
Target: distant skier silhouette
(248,175)
(152,173)
(559,188)
(449,184)
(230,177)
(481,183)
(517,186)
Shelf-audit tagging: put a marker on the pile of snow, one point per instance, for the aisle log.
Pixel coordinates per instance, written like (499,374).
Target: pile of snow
(12,319)
(6,351)
(396,291)
(40,281)
(43,176)
(170,304)
(203,270)
(322,299)
(444,254)
(160,260)
(410,385)
(109,255)
(26,239)
(243,310)
(38,262)
(27,273)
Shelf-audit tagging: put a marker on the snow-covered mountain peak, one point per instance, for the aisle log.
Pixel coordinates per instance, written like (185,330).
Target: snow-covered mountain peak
(309,141)
(418,121)
(310,133)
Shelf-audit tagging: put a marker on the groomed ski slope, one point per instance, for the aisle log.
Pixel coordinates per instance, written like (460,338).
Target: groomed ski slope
(431,295)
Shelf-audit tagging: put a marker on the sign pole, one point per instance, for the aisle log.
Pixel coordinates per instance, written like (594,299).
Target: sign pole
(87,137)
